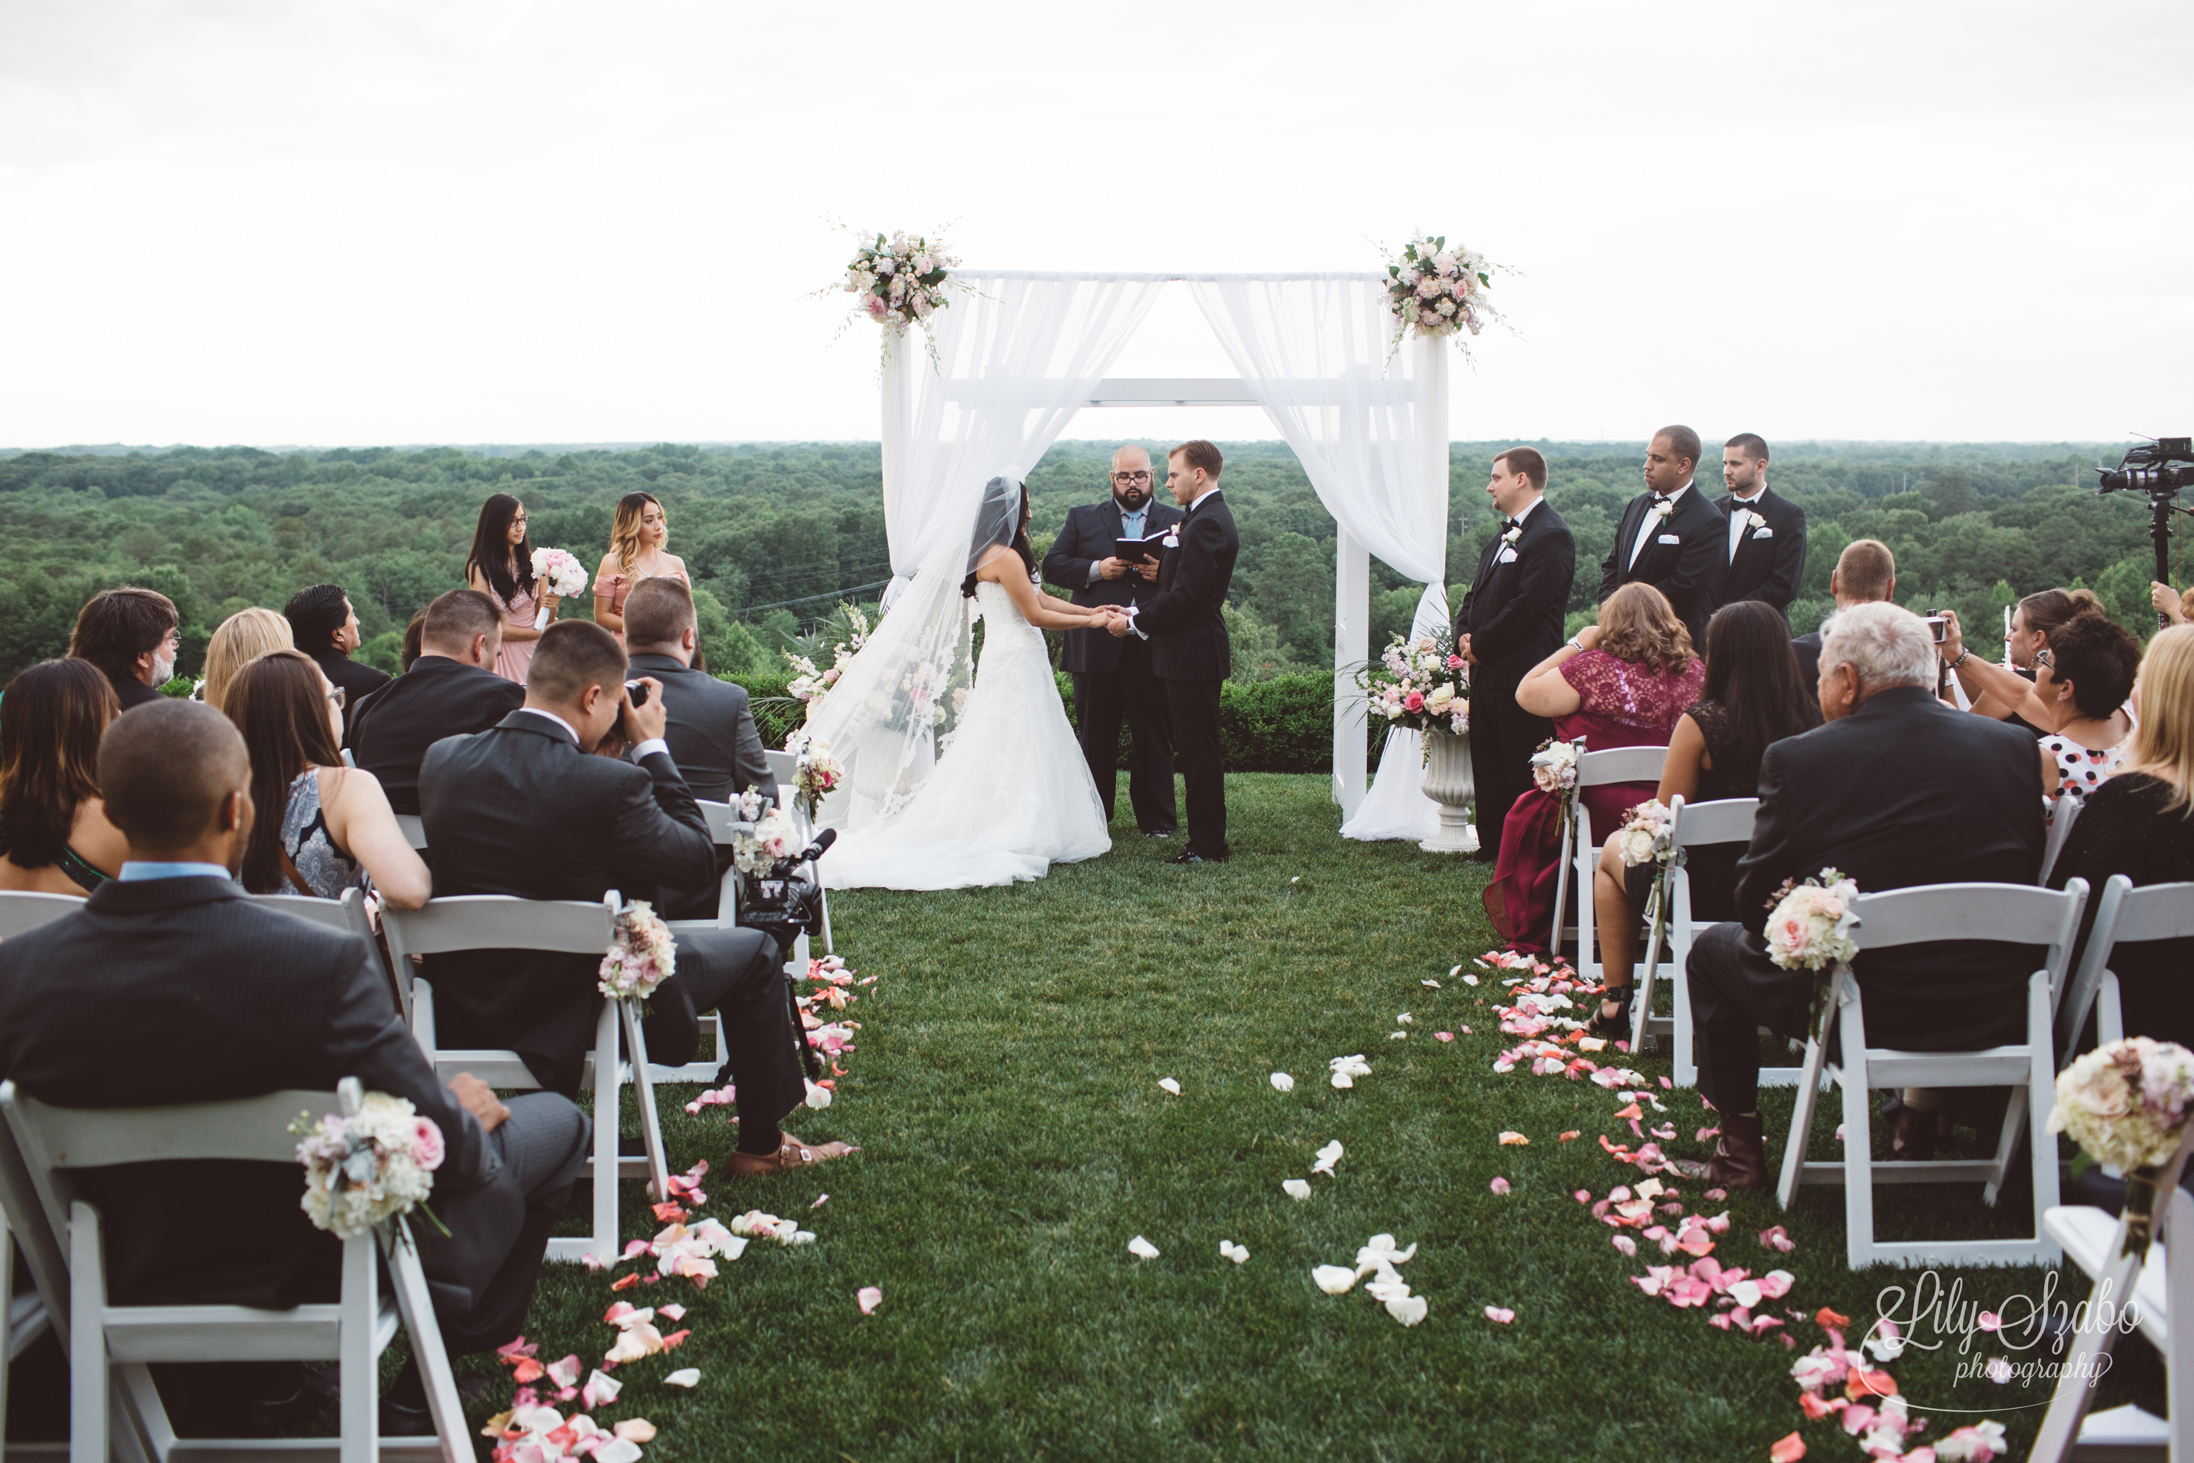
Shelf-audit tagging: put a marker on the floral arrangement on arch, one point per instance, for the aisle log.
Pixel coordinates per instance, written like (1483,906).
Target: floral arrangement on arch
(900,281)
(642,954)
(368,1168)
(810,684)
(1420,683)
(1436,291)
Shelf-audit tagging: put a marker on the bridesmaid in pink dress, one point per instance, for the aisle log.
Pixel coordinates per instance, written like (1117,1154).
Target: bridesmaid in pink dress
(635,553)
(500,566)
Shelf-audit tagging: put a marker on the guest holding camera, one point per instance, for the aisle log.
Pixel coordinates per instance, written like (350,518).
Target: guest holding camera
(2008,695)
(54,833)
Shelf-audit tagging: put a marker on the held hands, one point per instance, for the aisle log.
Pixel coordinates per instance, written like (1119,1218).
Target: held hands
(1113,619)
(477,1098)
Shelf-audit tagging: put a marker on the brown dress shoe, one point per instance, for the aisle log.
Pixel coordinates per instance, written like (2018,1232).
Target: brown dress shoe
(1740,1158)
(791,1153)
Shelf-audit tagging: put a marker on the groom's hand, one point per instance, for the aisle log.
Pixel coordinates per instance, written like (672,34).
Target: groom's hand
(1117,624)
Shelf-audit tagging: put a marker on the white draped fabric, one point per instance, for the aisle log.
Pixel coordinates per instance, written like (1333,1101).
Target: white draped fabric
(1016,358)
(1396,806)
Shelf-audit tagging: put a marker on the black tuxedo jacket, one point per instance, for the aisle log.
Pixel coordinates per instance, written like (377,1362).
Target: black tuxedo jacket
(438,697)
(1088,536)
(182,990)
(710,729)
(1769,559)
(1513,610)
(520,810)
(1907,791)
(1188,636)
(1687,571)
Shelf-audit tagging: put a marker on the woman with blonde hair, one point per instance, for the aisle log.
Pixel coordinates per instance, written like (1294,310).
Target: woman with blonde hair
(54,833)
(2140,824)
(241,638)
(1623,682)
(635,553)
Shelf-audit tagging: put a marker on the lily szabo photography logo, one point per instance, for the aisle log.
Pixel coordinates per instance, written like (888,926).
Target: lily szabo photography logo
(2023,1344)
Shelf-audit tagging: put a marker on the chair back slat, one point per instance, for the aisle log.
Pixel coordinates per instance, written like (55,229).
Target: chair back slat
(501,922)
(2063,813)
(1724,820)
(2014,914)
(326,913)
(254,1129)
(413,829)
(783,766)
(724,822)
(2156,912)
(21,911)
(1621,764)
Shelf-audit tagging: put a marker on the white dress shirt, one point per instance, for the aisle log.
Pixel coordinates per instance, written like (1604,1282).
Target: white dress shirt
(1650,525)
(640,753)
(1739,510)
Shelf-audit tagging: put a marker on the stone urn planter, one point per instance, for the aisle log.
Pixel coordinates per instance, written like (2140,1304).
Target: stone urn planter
(1448,782)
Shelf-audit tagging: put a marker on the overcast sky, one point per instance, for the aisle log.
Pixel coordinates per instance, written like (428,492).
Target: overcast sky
(490,221)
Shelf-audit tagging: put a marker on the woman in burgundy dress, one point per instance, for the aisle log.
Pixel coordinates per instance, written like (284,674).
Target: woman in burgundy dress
(1623,682)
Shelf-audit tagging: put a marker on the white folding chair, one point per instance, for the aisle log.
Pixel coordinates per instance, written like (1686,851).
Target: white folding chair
(23,1319)
(111,1344)
(2124,915)
(784,767)
(21,911)
(724,824)
(2064,811)
(414,831)
(572,927)
(2150,1287)
(1581,842)
(2017,914)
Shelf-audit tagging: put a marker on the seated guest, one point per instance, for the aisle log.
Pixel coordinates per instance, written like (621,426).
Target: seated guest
(2082,680)
(2141,824)
(132,635)
(197,995)
(322,827)
(523,809)
(415,630)
(1865,573)
(326,628)
(241,637)
(1752,700)
(2008,695)
(451,690)
(1896,790)
(54,833)
(710,728)
(1623,682)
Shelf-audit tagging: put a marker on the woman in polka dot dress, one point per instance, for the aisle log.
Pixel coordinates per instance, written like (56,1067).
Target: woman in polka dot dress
(2083,678)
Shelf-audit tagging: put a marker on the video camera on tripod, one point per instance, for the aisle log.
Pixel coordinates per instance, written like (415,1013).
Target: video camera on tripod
(784,903)
(2152,468)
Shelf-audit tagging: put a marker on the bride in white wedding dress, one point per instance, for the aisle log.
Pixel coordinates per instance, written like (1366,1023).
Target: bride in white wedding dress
(1002,794)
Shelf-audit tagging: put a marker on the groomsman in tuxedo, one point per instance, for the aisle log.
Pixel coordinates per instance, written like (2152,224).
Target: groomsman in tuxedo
(1671,537)
(1112,676)
(1766,533)
(1510,620)
(1189,650)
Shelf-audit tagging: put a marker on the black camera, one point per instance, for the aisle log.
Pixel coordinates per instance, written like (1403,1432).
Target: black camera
(784,903)
(2148,468)
(638,691)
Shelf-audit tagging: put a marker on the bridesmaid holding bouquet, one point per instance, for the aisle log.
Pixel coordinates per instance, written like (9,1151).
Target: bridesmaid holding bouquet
(501,567)
(635,553)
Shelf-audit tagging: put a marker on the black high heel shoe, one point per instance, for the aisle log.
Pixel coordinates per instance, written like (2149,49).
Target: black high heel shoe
(1616,1027)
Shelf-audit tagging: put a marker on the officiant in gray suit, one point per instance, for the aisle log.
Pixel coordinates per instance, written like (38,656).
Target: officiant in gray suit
(1112,675)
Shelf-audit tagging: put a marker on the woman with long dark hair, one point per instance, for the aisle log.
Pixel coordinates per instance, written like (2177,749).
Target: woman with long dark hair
(500,566)
(320,827)
(54,833)
(1754,695)
(636,552)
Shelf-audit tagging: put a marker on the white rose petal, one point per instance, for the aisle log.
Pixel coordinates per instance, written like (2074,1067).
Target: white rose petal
(1282,1082)
(818,1096)
(1142,1249)
(1406,1019)
(1229,1250)
(1747,1293)
(1432,983)
(1409,1309)
(1295,1188)
(1333,1279)
(1170,1085)
(684,1377)
(1328,1156)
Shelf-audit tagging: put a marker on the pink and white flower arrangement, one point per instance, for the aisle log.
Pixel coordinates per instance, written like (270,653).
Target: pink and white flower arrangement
(2126,1103)
(1420,683)
(368,1168)
(1649,836)
(1554,766)
(557,573)
(641,957)
(773,838)
(900,281)
(1436,291)
(1810,928)
(808,683)
(816,774)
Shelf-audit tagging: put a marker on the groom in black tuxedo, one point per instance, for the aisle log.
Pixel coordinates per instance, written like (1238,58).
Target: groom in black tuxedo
(1189,650)
(1510,620)
(1766,540)
(1112,676)
(1671,537)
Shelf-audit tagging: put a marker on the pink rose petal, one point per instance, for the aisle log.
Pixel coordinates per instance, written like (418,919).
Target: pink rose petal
(1584,1196)
(869,1297)
(1624,1243)
(1499,1185)
(1443,1035)
(1500,1315)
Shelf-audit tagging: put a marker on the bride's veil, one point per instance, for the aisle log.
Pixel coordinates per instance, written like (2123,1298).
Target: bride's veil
(887,719)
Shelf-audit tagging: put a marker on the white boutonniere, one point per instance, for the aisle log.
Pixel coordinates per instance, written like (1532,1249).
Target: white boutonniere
(1513,535)
(1662,507)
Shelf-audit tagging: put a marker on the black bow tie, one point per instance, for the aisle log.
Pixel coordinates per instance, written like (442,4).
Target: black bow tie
(1509,523)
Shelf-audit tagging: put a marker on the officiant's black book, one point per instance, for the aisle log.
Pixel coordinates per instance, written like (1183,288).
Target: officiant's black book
(1140,550)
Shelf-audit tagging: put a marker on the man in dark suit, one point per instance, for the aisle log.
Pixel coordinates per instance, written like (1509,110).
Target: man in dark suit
(1670,536)
(450,691)
(179,990)
(1112,676)
(1189,651)
(325,627)
(1896,789)
(523,809)
(1766,553)
(1865,573)
(132,635)
(709,726)
(1510,620)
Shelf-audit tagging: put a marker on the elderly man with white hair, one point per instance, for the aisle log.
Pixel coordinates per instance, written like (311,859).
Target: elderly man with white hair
(1896,789)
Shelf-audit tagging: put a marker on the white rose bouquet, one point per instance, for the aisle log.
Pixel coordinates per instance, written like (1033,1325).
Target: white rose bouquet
(641,956)
(557,573)
(369,1168)
(1810,928)
(1436,291)
(2126,1105)
(1420,683)
(772,839)
(1649,836)
(1554,766)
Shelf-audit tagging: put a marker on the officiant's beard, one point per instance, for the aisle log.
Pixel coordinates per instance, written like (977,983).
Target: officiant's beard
(1131,499)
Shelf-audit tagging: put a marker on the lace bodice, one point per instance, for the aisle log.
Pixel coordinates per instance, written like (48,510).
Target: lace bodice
(1629,695)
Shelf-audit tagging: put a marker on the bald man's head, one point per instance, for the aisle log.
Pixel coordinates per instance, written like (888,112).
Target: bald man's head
(1131,490)
(167,778)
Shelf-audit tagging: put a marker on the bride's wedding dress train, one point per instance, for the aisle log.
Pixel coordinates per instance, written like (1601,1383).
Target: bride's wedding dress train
(1011,794)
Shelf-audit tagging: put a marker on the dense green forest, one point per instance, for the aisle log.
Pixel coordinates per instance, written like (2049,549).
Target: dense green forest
(776,534)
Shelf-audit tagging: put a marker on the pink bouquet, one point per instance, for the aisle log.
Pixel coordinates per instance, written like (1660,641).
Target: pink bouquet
(557,573)
(368,1168)
(643,956)
(1811,926)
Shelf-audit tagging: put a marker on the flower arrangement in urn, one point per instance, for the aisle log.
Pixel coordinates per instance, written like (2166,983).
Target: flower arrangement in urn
(1435,291)
(1420,683)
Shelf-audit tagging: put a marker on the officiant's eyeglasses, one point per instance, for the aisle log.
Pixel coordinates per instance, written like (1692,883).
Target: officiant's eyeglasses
(1131,477)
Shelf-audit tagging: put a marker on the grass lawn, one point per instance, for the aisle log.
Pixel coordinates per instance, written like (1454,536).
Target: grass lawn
(1014,1139)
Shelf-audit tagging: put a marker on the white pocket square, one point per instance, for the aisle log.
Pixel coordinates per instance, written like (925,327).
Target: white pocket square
(1763,531)
(1668,538)
(1505,556)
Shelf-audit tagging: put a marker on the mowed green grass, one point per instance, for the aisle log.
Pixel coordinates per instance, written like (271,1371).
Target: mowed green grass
(1014,1139)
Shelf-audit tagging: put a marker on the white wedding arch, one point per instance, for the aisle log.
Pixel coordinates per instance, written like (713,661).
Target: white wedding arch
(1017,354)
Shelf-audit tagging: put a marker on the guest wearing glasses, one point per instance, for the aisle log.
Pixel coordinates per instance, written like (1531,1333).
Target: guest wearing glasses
(2082,680)
(132,635)
(1112,676)
(323,827)
(500,566)
(636,552)
(54,833)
